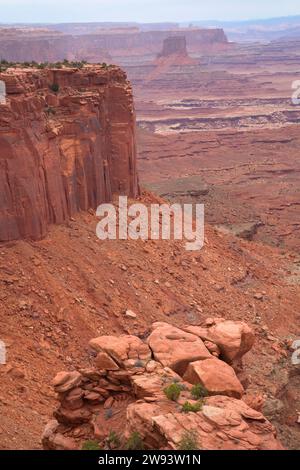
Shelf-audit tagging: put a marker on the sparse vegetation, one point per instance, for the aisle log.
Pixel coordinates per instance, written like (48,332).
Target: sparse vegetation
(55,87)
(50,110)
(108,413)
(5,64)
(139,363)
(198,391)
(192,407)
(134,442)
(113,440)
(90,445)
(173,391)
(189,441)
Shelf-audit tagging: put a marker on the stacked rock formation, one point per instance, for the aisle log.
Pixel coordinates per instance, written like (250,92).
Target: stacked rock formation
(125,392)
(67,143)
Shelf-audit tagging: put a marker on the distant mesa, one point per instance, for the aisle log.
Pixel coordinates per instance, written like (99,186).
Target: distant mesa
(174,45)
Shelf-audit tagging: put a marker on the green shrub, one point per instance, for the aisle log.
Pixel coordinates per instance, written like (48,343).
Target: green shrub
(90,445)
(108,413)
(198,391)
(134,442)
(173,391)
(54,87)
(189,441)
(188,407)
(50,110)
(113,440)
(138,363)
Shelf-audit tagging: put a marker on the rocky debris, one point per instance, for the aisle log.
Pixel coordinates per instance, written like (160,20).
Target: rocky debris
(53,440)
(63,151)
(234,339)
(133,395)
(216,376)
(175,348)
(246,230)
(130,314)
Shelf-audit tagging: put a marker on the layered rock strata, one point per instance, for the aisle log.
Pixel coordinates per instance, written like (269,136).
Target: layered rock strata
(67,143)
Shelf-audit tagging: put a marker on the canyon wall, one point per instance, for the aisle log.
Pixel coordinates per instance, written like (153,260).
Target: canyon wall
(66,150)
(119,46)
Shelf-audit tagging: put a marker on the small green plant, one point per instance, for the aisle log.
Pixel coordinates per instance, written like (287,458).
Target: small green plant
(50,110)
(173,391)
(198,391)
(108,413)
(54,87)
(139,363)
(90,445)
(134,442)
(188,407)
(113,440)
(189,441)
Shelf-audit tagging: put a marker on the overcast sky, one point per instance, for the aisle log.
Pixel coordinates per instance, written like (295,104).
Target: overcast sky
(142,10)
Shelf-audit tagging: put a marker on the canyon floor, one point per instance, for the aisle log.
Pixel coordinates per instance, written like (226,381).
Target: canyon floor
(226,124)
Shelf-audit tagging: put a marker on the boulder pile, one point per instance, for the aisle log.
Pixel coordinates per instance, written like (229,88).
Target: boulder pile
(175,384)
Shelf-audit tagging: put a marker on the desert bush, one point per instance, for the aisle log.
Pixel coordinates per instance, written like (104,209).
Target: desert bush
(113,440)
(199,391)
(108,413)
(189,441)
(188,407)
(90,445)
(54,87)
(173,391)
(139,363)
(134,442)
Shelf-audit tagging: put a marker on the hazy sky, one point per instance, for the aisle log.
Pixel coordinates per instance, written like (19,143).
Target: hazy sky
(142,10)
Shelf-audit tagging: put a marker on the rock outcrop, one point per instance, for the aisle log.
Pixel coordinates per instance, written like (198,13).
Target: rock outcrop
(128,389)
(174,45)
(67,143)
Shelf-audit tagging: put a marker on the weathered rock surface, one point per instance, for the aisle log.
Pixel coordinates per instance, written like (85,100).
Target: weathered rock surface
(174,348)
(233,338)
(216,376)
(134,399)
(223,424)
(65,151)
(122,349)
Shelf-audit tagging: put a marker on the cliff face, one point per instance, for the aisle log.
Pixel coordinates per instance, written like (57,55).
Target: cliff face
(66,151)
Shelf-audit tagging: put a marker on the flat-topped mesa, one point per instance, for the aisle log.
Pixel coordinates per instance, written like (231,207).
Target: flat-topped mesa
(67,143)
(174,45)
(123,46)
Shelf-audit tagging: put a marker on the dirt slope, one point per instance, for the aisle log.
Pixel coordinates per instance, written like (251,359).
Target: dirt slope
(58,293)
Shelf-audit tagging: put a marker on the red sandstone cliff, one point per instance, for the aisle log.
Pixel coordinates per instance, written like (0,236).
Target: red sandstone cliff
(63,152)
